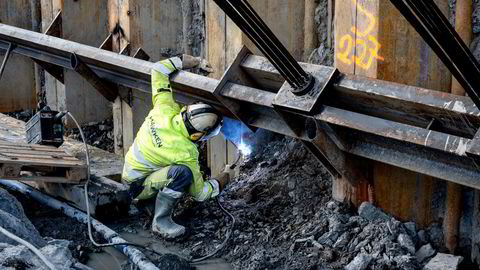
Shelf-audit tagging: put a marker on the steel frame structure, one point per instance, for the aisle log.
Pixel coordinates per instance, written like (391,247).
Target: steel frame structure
(417,129)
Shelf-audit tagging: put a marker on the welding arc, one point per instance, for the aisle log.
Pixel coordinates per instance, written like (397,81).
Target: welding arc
(433,26)
(255,28)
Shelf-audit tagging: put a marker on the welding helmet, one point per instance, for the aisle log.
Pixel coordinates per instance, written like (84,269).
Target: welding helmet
(202,121)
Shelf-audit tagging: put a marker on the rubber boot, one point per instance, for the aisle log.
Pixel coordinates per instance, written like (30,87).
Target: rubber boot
(163,224)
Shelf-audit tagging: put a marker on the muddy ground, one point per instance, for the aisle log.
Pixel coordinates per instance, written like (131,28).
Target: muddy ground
(284,219)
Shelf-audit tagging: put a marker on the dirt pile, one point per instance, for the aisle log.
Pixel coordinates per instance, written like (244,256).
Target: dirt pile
(285,219)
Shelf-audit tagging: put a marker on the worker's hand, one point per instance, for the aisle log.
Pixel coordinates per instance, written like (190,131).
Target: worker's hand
(196,62)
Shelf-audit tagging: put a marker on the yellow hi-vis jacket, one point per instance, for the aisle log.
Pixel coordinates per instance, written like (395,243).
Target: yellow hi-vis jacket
(163,139)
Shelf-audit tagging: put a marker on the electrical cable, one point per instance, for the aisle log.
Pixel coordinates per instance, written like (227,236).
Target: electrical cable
(89,225)
(227,237)
(29,246)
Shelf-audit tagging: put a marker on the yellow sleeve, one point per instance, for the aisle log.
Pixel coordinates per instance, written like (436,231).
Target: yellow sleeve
(200,189)
(161,88)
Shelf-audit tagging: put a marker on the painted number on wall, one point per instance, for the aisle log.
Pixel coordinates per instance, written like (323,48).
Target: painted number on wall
(366,44)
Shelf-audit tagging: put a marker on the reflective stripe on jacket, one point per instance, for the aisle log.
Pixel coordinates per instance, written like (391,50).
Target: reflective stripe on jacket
(163,139)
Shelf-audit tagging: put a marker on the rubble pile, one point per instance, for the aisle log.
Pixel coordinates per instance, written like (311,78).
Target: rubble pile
(285,219)
(15,256)
(98,134)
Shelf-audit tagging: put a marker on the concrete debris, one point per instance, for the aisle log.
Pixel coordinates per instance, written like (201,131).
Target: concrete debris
(406,242)
(360,262)
(20,257)
(425,252)
(13,219)
(475,47)
(444,261)
(368,211)
(476,18)
(411,229)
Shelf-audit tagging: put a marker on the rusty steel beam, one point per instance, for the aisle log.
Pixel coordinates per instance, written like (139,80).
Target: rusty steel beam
(387,121)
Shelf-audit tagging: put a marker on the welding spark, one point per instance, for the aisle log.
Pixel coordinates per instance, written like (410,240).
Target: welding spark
(245,149)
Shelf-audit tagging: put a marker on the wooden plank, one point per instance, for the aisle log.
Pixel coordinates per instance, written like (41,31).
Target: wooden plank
(17,93)
(127,119)
(45,179)
(216,32)
(216,27)
(463,25)
(345,18)
(286,20)
(82,100)
(54,89)
(310,30)
(16,155)
(118,126)
(38,161)
(407,60)
(155,26)
(217,150)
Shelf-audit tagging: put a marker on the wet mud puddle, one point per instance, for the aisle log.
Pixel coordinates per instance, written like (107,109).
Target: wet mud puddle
(112,259)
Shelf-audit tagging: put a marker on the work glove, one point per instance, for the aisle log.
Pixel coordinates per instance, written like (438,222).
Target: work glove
(225,177)
(189,61)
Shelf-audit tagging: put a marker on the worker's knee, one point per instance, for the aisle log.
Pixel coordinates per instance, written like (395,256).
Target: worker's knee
(181,177)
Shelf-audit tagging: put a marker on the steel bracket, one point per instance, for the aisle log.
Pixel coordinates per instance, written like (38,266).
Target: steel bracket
(235,75)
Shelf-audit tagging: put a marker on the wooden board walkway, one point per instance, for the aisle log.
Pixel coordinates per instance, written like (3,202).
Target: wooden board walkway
(30,162)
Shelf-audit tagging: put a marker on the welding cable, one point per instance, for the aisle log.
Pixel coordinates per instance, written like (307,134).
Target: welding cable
(227,237)
(29,246)
(89,225)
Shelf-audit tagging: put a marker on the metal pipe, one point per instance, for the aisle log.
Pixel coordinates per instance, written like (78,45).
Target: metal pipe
(5,58)
(133,254)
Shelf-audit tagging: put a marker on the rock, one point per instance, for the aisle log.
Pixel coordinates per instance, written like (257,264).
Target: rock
(444,261)
(435,235)
(411,228)
(370,212)
(332,205)
(342,241)
(424,253)
(406,262)
(476,20)
(360,262)
(422,237)
(56,251)
(21,228)
(475,48)
(406,242)
(263,164)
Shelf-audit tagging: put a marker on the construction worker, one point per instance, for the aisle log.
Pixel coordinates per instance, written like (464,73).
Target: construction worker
(163,160)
